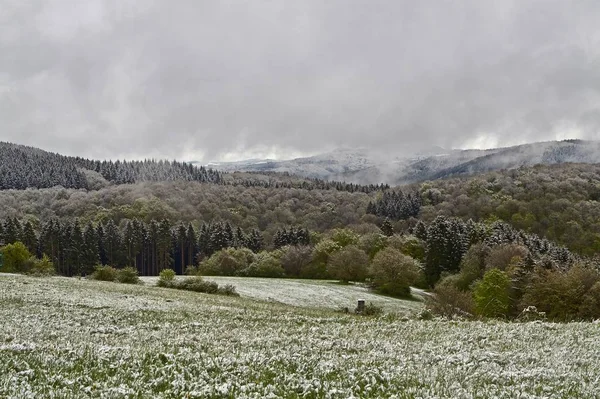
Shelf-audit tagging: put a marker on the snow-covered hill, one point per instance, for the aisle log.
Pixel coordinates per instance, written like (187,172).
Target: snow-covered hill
(365,166)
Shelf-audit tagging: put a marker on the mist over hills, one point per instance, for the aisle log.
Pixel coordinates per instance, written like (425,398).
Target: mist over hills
(22,167)
(365,167)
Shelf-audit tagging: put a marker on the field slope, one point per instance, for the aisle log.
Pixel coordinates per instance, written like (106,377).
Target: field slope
(69,338)
(319,294)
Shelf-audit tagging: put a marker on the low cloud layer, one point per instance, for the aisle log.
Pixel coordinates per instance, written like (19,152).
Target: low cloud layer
(232,79)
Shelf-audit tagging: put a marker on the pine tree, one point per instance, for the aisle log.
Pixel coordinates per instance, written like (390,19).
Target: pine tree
(113,244)
(164,245)
(182,243)
(75,249)
(255,241)
(191,249)
(386,228)
(29,238)
(447,241)
(90,256)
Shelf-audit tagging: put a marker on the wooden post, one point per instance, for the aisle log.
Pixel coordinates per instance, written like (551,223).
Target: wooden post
(361,306)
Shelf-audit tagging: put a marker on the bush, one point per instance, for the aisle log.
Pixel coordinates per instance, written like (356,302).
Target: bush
(393,273)
(104,273)
(42,267)
(449,301)
(370,310)
(16,258)
(492,294)
(197,284)
(228,290)
(166,278)
(191,270)
(128,275)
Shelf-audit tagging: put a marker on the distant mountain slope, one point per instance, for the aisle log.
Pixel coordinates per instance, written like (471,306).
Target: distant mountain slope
(24,167)
(364,167)
(546,153)
(329,165)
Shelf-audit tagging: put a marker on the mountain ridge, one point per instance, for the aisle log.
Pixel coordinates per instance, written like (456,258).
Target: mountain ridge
(365,167)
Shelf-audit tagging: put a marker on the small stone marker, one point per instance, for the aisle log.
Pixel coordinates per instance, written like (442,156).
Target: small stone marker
(361,306)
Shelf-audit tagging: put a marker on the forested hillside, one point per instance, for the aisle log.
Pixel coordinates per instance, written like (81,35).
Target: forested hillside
(27,167)
(534,225)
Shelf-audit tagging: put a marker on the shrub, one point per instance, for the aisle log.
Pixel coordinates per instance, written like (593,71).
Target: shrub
(191,270)
(166,278)
(197,284)
(393,273)
(104,273)
(42,267)
(228,290)
(492,294)
(448,301)
(530,313)
(128,275)
(16,258)
(370,310)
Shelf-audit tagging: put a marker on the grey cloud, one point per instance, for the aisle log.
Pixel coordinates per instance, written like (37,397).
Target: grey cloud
(113,79)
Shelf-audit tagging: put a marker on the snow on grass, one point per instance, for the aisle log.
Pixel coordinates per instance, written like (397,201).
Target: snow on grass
(313,293)
(69,338)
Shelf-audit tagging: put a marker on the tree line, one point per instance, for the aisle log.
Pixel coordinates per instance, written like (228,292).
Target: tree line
(23,167)
(76,248)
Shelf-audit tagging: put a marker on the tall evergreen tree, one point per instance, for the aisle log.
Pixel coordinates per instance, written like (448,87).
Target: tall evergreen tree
(91,253)
(191,240)
(29,238)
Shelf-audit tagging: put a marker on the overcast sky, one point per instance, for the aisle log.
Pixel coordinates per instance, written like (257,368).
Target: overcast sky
(208,80)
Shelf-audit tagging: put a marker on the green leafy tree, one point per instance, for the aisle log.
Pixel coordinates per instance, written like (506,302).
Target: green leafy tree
(393,273)
(227,262)
(265,264)
(295,258)
(372,243)
(344,237)
(16,258)
(492,294)
(349,264)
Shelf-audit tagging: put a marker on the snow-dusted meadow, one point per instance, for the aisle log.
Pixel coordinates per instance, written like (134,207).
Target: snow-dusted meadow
(325,294)
(69,338)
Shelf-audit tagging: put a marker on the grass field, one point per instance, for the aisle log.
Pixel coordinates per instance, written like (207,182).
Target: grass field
(69,338)
(324,294)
